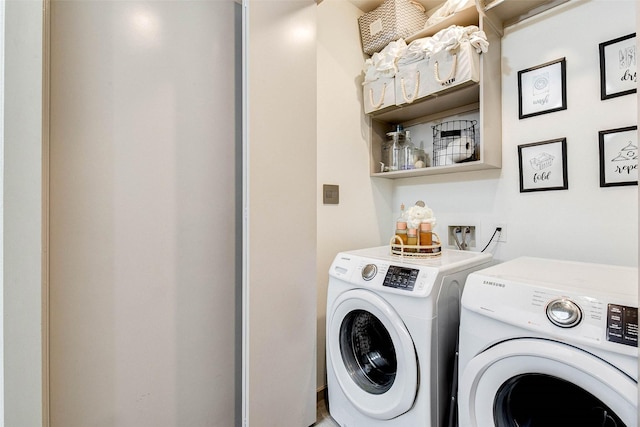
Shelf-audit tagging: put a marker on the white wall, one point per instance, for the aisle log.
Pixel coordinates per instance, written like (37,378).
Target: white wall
(585,222)
(23,224)
(361,217)
(143,222)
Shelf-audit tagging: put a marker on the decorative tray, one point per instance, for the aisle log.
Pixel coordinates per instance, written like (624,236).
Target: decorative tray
(398,248)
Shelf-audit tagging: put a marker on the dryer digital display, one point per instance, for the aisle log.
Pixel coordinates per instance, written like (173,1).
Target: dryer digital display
(622,324)
(400,277)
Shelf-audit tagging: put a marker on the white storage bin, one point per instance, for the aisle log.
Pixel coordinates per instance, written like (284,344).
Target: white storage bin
(412,81)
(379,94)
(450,68)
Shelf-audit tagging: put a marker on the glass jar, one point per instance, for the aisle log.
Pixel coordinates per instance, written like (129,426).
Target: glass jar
(393,150)
(420,157)
(426,238)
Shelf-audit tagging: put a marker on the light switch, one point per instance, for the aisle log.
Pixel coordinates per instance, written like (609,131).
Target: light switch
(330,194)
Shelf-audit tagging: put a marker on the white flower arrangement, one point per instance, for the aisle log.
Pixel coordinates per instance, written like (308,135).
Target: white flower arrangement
(418,214)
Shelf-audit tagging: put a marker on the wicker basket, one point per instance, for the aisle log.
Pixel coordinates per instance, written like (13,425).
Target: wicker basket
(392,20)
(398,248)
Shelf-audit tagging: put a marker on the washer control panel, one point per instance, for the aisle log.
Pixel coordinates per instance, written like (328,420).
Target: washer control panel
(622,324)
(413,280)
(401,277)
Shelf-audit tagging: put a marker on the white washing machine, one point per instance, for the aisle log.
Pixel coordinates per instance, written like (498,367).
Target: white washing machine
(392,327)
(549,343)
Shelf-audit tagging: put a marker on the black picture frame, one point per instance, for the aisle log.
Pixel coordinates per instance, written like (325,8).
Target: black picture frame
(543,165)
(542,89)
(618,156)
(618,65)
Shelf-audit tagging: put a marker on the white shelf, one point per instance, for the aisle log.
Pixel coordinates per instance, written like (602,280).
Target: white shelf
(469,97)
(508,12)
(446,100)
(505,11)
(485,96)
(436,170)
(467,16)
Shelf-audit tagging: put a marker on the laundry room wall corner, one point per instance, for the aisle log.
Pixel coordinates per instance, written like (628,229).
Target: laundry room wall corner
(280,288)
(363,218)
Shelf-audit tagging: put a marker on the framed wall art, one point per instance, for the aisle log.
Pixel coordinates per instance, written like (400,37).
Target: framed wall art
(543,165)
(618,67)
(619,156)
(542,89)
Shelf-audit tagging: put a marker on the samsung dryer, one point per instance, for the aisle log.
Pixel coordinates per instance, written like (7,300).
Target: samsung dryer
(549,343)
(392,327)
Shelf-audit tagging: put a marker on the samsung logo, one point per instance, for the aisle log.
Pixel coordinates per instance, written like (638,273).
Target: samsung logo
(490,283)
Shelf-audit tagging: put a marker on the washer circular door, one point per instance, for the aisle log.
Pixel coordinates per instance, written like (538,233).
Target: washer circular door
(372,354)
(522,381)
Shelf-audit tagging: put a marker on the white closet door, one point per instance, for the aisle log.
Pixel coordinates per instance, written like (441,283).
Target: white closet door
(280,310)
(142,213)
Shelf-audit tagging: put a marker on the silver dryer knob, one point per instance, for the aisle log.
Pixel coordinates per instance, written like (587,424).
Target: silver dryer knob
(564,313)
(369,271)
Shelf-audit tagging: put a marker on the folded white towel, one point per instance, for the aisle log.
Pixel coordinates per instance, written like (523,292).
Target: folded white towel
(384,63)
(448,9)
(451,37)
(416,51)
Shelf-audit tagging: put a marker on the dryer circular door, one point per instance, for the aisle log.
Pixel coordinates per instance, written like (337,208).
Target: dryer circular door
(373,355)
(540,382)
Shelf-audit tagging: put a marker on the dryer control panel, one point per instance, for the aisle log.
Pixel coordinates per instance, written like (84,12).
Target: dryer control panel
(622,324)
(577,303)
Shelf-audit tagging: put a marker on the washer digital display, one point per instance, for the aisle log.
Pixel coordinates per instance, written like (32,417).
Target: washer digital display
(401,277)
(622,324)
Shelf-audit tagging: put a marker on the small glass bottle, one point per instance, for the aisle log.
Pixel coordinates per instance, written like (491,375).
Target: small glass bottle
(401,226)
(412,239)
(401,232)
(426,238)
(408,152)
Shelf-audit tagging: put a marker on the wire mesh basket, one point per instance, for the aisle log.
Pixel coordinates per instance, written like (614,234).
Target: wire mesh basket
(455,141)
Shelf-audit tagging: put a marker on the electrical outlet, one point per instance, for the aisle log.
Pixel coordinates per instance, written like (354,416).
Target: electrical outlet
(462,236)
(502,234)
